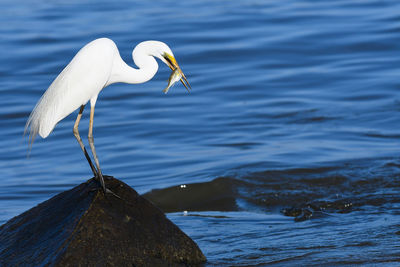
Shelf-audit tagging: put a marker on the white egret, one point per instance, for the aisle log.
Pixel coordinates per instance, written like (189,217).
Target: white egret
(97,65)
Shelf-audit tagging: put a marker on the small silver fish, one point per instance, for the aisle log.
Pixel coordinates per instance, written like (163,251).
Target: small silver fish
(176,75)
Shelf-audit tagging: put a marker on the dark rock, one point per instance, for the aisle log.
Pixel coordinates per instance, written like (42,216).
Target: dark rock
(317,209)
(292,212)
(82,227)
(218,194)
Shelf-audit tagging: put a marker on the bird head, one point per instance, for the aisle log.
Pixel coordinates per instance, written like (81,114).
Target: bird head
(161,51)
(164,53)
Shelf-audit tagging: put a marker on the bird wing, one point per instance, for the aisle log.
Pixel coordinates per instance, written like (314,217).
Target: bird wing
(82,79)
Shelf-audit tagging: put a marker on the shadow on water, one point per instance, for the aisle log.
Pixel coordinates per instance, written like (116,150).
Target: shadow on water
(340,188)
(339,210)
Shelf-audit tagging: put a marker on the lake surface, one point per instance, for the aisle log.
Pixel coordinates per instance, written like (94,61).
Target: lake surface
(287,151)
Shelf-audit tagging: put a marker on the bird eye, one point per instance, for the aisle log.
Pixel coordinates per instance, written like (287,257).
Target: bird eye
(167,58)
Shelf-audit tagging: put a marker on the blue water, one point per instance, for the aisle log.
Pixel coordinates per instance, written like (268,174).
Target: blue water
(293,102)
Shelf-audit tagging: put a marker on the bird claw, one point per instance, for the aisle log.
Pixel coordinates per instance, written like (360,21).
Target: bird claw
(108,191)
(104,189)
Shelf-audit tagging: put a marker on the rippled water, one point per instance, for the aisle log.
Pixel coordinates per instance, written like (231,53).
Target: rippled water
(288,144)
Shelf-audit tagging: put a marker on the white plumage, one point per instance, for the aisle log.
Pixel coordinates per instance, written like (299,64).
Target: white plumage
(97,65)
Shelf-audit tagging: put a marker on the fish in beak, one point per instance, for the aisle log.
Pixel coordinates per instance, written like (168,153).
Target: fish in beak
(176,75)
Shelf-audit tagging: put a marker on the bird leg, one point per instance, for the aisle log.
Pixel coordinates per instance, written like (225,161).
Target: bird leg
(79,139)
(91,143)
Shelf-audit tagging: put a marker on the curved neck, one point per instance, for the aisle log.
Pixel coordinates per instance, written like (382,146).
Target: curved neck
(123,73)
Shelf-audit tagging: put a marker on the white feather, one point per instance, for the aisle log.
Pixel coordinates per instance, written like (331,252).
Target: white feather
(97,65)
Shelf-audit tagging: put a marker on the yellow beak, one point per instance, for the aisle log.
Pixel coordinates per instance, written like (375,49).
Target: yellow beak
(174,65)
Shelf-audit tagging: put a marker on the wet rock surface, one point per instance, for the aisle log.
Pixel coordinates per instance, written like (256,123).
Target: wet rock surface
(218,195)
(82,227)
(317,209)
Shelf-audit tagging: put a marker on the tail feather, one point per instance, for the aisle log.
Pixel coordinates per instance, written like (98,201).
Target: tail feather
(41,120)
(32,126)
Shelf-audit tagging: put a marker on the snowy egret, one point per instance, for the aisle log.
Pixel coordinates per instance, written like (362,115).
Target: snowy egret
(97,65)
